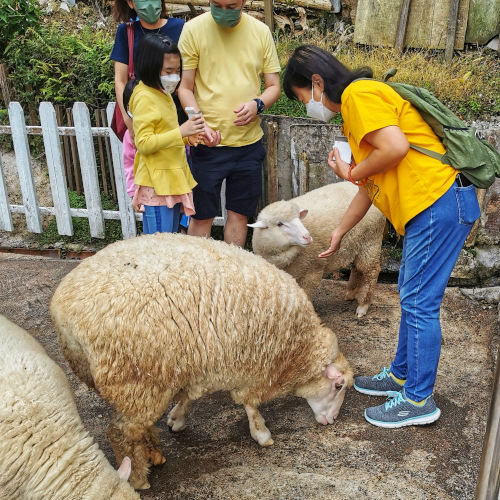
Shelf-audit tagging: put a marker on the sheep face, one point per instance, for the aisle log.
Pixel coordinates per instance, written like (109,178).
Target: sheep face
(327,402)
(281,224)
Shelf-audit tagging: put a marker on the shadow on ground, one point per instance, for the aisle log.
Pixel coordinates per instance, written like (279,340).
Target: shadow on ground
(215,456)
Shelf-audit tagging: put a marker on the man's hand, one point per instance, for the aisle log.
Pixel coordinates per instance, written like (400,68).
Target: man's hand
(245,113)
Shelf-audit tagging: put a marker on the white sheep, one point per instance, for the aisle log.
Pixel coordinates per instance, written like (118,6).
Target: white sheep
(282,239)
(45,452)
(169,317)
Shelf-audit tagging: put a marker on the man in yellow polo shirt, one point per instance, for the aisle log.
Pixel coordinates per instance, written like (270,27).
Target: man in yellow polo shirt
(225,55)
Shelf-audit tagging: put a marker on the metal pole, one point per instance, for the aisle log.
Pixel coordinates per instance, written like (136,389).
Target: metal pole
(488,482)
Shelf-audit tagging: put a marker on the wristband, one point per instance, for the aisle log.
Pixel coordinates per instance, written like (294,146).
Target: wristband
(350,179)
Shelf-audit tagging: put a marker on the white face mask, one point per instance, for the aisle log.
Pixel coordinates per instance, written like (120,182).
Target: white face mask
(169,82)
(316,109)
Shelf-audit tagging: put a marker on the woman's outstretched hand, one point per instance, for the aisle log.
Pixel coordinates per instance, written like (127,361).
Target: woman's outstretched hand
(335,240)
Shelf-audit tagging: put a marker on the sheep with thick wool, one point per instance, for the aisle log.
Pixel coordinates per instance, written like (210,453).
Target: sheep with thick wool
(169,317)
(282,239)
(45,452)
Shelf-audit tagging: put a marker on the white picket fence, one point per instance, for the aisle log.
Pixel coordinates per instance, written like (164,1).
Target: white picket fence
(62,211)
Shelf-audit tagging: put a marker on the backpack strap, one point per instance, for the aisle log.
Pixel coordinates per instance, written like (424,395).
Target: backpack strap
(427,152)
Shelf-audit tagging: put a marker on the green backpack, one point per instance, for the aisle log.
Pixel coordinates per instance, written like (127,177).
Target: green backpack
(475,158)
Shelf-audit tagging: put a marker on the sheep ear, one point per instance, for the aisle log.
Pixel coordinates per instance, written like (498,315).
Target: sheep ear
(125,469)
(303,213)
(259,224)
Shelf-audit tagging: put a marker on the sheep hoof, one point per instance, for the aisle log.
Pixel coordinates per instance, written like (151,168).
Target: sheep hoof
(156,457)
(268,442)
(362,310)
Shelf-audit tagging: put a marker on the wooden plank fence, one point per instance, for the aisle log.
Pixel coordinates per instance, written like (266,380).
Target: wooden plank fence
(64,159)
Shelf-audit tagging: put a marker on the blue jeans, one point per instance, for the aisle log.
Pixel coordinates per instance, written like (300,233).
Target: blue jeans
(160,219)
(433,240)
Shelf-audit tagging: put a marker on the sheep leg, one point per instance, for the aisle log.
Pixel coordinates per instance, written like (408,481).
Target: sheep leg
(177,416)
(310,281)
(258,429)
(127,439)
(352,285)
(366,289)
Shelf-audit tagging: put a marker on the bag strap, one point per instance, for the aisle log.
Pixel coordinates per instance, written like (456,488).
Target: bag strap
(130,36)
(428,152)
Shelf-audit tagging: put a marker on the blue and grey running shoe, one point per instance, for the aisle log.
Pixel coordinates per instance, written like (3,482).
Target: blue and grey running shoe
(378,385)
(397,411)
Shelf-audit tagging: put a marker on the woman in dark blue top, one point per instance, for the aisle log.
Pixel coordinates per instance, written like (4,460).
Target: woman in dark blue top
(151,17)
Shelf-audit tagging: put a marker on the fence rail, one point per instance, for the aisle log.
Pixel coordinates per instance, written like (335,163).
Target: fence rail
(85,168)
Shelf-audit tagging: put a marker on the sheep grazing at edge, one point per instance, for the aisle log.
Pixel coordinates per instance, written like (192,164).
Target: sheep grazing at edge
(282,239)
(45,452)
(169,317)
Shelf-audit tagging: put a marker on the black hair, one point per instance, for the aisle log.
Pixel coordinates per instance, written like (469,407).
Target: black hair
(148,60)
(127,91)
(308,60)
(122,12)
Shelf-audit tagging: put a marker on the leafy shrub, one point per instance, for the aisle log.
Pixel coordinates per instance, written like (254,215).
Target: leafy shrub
(53,64)
(16,16)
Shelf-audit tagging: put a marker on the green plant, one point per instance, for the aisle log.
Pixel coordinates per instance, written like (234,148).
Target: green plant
(81,230)
(16,16)
(52,64)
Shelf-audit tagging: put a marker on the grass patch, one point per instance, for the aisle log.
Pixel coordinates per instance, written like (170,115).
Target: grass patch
(81,230)
(469,86)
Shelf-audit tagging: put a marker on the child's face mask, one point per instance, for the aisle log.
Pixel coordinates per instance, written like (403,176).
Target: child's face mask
(317,110)
(169,82)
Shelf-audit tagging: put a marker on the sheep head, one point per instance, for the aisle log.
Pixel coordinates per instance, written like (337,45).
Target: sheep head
(279,226)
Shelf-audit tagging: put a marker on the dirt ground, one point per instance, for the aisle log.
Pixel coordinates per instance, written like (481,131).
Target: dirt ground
(215,456)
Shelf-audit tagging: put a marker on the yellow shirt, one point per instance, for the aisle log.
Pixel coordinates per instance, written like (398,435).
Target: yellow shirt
(160,161)
(229,65)
(418,181)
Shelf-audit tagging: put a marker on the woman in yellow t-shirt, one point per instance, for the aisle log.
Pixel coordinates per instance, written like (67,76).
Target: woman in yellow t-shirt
(428,202)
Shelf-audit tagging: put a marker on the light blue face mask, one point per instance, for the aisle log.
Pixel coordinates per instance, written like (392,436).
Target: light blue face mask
(225,18)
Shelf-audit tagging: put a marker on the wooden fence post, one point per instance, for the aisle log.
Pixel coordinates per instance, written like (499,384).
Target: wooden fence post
(5,217)
(55,165)
(402,22)
(272,162)
(451,31)
(127,214)
(88,165)
(23,158)
(104,122)
(74,159)
(4,84)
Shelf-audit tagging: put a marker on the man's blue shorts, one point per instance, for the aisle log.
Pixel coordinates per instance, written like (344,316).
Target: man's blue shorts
(242,169)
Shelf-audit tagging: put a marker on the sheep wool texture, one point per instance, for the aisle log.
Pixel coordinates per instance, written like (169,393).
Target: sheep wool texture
(360,247)
(148,318)
(45,452)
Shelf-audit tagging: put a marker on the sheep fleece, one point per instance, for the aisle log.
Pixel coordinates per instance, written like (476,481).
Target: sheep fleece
(45,452)
(146,317)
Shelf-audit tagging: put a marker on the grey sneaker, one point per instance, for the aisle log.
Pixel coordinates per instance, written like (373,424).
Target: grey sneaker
(378,385)
(397,411)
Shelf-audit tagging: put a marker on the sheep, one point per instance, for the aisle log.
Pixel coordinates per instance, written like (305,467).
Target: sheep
(45,452)
(171,317)
(280,237)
